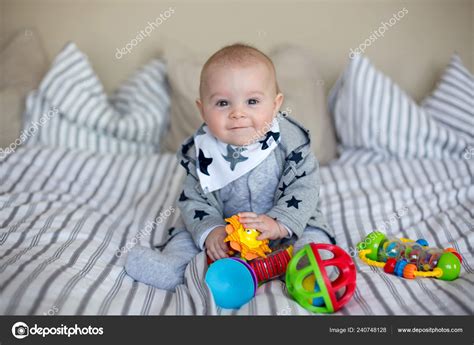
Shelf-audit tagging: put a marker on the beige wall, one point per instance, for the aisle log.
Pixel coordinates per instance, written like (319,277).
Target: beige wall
(413,52)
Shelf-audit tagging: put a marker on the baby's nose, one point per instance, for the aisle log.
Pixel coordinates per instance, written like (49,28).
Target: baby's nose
(236,114)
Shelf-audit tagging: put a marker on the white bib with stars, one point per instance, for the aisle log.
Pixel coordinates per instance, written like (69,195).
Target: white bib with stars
(219,163)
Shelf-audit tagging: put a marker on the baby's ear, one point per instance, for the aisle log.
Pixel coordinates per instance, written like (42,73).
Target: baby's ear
(200,107)
(278,101)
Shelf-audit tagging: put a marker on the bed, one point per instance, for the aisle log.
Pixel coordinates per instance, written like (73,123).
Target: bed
(67,211)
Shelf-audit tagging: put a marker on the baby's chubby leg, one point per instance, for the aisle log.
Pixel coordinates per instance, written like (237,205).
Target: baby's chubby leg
(311,234)
(162,269)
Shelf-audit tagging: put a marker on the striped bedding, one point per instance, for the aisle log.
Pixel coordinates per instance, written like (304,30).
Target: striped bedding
(64,213)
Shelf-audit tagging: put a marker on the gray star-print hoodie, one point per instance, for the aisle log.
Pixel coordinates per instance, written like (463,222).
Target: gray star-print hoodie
(297,207)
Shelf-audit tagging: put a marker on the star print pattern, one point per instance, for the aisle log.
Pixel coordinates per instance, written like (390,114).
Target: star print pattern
(302,175)
(185,165)
(200,214)
(293,202)
(295,157)
(183,196)
(234,156)
(269,135)
(204,162)
(283,189)
(185,147)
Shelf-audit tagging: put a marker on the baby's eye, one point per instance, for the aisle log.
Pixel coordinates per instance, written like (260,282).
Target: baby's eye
(253,101)
(222,103)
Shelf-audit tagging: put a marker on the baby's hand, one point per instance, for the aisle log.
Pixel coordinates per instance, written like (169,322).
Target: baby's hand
(215,245)
(269,227)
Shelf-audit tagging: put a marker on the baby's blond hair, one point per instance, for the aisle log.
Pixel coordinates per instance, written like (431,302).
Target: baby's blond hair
(237,54)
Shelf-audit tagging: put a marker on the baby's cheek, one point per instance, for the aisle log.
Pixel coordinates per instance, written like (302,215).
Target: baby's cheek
(216,127)
(264,124)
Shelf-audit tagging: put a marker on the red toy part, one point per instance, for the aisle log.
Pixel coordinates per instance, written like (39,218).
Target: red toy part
(390,266)
(347,273)
(274,265)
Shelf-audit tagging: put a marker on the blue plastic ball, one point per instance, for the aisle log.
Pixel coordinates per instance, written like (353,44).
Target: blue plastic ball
(422,242)
(231,283)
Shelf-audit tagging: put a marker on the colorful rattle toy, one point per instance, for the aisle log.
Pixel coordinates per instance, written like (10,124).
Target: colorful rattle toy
(310,285)
(233,282)
(409,259)
(245,240)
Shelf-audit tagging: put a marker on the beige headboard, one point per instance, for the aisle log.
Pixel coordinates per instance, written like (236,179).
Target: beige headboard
(413,51)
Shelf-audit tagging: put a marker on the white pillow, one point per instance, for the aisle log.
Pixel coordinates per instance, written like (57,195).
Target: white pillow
(372,112)
(452,103)
(71,109)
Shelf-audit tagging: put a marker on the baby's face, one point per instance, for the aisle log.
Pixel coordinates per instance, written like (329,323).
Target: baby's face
(238,103)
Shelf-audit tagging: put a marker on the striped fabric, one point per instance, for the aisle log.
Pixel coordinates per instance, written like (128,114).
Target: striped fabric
(372,113)
(452,103)
(79,114)
(65,213)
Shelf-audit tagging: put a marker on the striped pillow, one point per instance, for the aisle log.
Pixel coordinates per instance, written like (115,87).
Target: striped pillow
(71,109)
(372,112)
(452,103)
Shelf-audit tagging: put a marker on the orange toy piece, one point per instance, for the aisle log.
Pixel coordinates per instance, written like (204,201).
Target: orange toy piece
(245,240)
(409,271)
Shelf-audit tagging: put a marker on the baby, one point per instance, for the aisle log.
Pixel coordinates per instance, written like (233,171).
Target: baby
(247,159)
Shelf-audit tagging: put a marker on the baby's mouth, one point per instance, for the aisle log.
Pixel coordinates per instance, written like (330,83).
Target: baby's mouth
(240,127)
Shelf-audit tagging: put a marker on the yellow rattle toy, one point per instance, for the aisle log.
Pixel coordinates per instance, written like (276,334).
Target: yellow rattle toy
(245,240)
